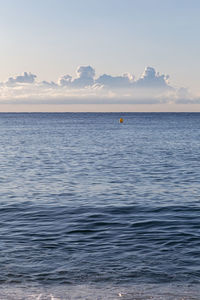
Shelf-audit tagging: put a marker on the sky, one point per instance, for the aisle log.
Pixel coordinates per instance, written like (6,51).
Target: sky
(99,55)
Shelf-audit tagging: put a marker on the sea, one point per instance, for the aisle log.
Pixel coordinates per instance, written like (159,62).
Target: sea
(94,209)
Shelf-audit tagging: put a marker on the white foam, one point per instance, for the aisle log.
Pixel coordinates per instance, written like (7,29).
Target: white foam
(100,292)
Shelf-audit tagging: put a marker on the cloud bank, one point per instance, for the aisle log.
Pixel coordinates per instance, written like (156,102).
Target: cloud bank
(150,88)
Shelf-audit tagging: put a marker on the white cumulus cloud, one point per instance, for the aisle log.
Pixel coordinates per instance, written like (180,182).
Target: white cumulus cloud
(25,78)
(85,77)
(152,79)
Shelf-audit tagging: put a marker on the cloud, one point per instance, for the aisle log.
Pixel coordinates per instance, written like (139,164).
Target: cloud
(85,77)
(25,78)
(65,80)
(49,84)
(85,88)
(184,96)
(152,79)
(109,81)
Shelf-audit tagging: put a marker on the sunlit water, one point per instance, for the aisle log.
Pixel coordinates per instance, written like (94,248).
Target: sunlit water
(94,209)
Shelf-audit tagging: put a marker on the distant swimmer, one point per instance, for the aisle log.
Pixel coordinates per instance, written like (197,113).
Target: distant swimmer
(121,120)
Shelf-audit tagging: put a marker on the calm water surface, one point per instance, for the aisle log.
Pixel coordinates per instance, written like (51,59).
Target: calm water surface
(94,209)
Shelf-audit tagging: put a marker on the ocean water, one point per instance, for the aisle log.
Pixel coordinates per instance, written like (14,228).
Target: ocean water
(93,209)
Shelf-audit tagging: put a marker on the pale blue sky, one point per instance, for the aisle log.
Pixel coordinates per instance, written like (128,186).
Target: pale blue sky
(51,38)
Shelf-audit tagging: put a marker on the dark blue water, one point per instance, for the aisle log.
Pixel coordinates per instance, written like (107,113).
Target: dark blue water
(90,208)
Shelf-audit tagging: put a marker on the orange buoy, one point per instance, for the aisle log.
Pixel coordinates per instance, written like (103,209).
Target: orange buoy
(121,120)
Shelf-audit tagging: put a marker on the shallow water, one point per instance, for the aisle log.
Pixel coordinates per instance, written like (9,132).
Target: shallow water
(100,292)
(93,208)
